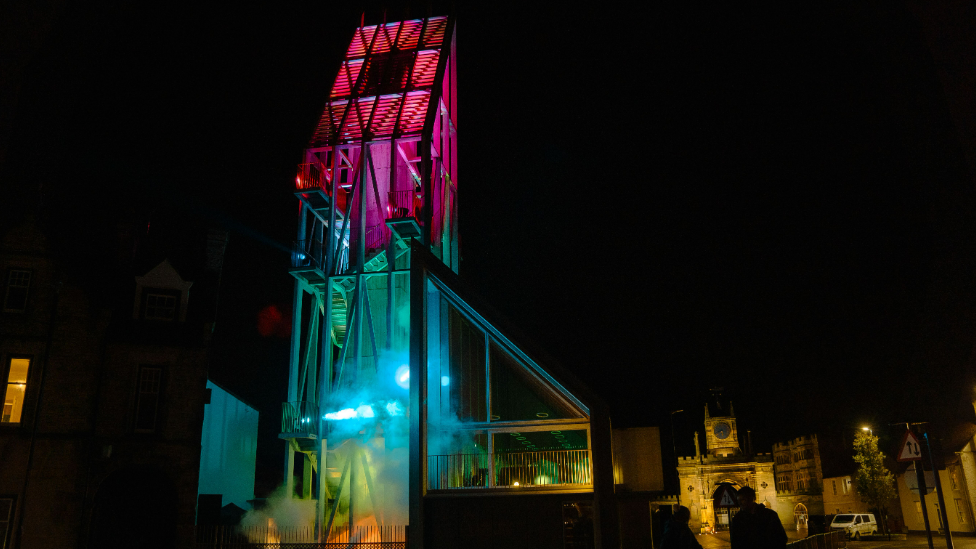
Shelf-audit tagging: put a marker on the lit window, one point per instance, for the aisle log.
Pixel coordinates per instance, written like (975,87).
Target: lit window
(952,480)
(845,484)
(6,514)
(13,399)
(15,298)
(960,511)
(147,398)
(160,307)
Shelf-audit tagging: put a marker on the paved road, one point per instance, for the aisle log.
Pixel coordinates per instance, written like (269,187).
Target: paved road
(721,541)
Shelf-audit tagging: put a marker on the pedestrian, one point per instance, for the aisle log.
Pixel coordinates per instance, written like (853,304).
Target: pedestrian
(677,535)
(755,526)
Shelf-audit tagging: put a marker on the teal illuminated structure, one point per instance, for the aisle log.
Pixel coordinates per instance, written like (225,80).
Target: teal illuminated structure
(406,401)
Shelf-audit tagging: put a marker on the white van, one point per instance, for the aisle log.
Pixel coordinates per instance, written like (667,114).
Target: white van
(855,525)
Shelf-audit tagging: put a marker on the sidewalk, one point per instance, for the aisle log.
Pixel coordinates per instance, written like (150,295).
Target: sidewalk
(720,540)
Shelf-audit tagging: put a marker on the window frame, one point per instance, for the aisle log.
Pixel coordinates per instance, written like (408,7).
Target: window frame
(8,285)
(5,372)
(138,400)
(5,537)
(160,292)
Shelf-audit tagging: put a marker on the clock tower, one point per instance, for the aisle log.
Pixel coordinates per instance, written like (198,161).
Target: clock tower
(721,434)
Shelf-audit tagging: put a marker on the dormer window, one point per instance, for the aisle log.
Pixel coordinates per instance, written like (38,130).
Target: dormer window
(161,295)
(160,306)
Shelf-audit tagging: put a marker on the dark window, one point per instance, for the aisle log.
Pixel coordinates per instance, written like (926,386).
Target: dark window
(516,394)
(467,373)
(6,515)
(147,399)
(160,307)
(15,297)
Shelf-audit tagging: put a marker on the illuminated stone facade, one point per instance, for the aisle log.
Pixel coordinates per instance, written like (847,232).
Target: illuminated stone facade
(723,462)
(799,480)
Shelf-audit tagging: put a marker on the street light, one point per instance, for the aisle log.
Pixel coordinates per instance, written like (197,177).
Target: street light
(870,430)
(673,450)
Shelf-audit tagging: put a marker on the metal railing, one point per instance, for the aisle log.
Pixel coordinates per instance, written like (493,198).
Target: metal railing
(374,236)
(403,204)
(299,417)
(276,537)
(509,470)
(311,176)
(830,540)
(308,253)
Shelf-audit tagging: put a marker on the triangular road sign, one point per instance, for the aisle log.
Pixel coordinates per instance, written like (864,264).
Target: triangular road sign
(726,497)
(910,449)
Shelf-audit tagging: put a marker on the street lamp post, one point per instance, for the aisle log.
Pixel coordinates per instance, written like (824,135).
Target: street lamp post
(673,450)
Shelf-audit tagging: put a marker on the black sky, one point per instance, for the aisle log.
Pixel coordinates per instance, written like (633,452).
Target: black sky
(666,199)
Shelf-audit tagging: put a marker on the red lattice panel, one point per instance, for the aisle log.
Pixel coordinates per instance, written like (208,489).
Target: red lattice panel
(385,38)
(328,124)
(384,119)
(360,41)
(414,112)
(346,79)
(425,68)
(357,118)
(410,34)
(434,33)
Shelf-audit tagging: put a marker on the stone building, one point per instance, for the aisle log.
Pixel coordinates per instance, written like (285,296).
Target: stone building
(106,386)
(799,480)
(722,463)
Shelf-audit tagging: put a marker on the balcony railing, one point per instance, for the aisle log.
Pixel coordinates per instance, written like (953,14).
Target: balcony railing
(311,176)
(509,470)
(299,417)
(403,204)
(308,253)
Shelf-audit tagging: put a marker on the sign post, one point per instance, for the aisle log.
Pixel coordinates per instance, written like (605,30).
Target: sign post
(910,451)
(938,493)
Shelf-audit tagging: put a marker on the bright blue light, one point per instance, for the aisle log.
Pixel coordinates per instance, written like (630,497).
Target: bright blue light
(394,409)
(341,414)
(364,411)
(402,376)
(445,381)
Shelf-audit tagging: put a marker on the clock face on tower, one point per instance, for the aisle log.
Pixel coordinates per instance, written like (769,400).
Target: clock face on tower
(722,430)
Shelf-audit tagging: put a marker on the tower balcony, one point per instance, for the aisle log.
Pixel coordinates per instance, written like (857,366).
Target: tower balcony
(299,421)
(308,260)
(403,211)
(312,186)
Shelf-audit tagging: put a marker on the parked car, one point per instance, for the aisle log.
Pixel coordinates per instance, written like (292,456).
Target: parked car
(855,525)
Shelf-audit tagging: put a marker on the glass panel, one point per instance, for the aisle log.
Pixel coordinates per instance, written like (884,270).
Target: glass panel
(516,394)
(540,440)
(13,401)
(541,458)
(465,381)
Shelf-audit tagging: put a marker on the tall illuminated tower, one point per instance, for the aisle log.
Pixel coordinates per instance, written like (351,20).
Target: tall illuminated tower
(379,171)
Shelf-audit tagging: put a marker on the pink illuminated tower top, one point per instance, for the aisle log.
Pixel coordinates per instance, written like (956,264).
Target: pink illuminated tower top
(383,156)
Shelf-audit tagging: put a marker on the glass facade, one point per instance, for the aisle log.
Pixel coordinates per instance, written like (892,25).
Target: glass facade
(495,420)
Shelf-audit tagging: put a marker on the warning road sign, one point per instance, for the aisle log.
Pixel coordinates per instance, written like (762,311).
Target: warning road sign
(910,450)
(726,497)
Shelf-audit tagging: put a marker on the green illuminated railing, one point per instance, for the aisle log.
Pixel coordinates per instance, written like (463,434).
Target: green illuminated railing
(509,470)
(299,417)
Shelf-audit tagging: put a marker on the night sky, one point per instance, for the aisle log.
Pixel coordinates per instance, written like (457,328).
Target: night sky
(774,202)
